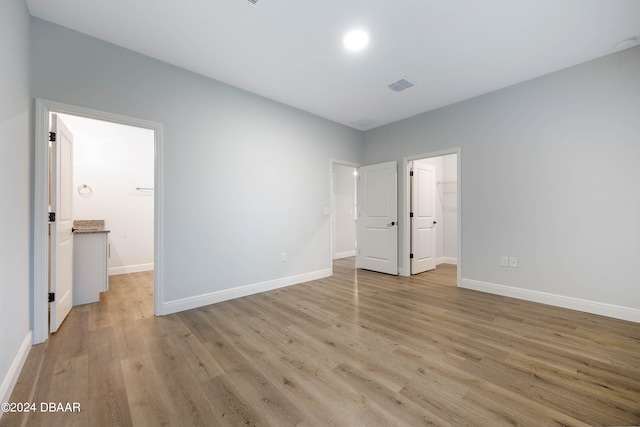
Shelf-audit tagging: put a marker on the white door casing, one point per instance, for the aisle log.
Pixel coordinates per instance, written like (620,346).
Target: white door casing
(423,221)
(378,218)
(61,241)
(43,108)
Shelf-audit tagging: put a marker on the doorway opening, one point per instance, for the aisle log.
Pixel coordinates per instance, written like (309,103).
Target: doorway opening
(383,213)
(432,203)
(113,176)
(343,210)
(113,184)
(105,169)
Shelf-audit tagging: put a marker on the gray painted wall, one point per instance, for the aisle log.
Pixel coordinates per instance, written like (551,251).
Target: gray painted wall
(15,188)
(549,174)
(246,178)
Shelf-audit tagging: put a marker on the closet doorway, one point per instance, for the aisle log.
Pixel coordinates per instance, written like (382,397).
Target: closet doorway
(432,203)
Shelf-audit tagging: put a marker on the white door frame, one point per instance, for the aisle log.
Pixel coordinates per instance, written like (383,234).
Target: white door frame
(331,203)
(43,108)
(406,223)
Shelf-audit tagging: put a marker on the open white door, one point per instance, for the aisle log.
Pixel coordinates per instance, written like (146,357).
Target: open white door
(423,221)
(377,218)
(61,237)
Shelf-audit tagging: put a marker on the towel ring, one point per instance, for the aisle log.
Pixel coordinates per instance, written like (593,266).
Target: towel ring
(85,191)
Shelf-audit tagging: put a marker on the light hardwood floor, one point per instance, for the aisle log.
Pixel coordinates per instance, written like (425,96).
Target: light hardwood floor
(359,348)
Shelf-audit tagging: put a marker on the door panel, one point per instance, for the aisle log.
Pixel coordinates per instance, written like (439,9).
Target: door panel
(61,239)
(377,193)
(379,242)
(424,247)
(377,218)
(423,201)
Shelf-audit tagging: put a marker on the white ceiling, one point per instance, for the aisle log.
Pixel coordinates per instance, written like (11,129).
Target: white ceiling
(291,50)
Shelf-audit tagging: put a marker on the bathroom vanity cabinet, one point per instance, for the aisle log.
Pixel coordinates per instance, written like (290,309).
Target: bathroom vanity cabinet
(90,253)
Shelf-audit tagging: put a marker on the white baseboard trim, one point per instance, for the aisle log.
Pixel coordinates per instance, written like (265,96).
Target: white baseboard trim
(441,260)
(114,271)
(11,378)
(593,307)
(241,291)
(447,260)
(347,254)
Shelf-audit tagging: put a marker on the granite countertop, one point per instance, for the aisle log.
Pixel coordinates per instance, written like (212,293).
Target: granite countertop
(86,226)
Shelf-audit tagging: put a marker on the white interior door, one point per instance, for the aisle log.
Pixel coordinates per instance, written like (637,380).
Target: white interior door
(423,220)
(378,218)
(61,237)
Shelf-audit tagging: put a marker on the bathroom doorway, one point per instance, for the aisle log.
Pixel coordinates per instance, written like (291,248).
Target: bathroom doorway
(113,181)
(145,191)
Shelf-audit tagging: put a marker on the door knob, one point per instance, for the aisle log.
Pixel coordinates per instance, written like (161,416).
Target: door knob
(392,224)
(435,222)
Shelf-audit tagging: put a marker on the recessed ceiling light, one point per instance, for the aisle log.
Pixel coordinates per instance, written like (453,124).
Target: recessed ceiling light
(625,44)
(356,40)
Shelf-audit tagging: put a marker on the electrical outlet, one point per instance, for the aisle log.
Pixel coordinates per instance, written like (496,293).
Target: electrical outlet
(513,262)
(504,261)
(283,257)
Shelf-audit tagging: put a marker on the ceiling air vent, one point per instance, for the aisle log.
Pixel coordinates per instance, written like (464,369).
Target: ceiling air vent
(253,2)
(401,84)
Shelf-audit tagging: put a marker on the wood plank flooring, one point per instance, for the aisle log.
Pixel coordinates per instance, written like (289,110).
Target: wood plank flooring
(356,349)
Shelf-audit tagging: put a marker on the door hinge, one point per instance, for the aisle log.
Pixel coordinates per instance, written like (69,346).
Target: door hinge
(52,217)
(52,136)
(411,173)
(410,256)
(52,296)
(411,215)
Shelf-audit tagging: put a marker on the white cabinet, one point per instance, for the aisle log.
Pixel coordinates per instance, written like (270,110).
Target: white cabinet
(89,266)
